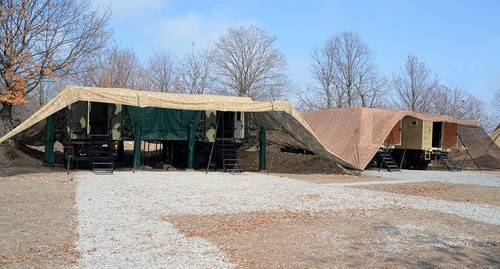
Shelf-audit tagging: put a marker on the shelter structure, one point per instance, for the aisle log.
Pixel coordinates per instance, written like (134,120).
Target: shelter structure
(93,123)
(477,149)
(357,134)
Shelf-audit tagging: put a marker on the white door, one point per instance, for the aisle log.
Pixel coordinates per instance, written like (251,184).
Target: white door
(239,125)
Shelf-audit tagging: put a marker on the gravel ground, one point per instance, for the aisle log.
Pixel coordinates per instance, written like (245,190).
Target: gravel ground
(122,216)
(464,177)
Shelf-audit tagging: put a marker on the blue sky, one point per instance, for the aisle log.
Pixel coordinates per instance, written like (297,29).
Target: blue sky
(458,40)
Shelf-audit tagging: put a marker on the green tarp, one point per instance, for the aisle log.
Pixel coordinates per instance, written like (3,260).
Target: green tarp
(160,123)
(49,141)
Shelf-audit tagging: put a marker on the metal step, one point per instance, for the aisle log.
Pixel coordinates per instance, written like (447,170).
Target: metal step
(227,151)
(447,162)
(234,170)
(388,160)
(102,154)
(103,167)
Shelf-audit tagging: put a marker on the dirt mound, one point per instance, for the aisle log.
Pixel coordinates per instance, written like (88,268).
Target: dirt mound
(16,161)
(289,163)
(13,157)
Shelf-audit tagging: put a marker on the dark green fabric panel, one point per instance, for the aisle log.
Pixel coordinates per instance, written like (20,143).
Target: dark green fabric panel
(49,141)
(163,123)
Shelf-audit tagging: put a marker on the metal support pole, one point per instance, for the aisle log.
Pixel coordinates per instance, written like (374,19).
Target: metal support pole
(191,134)
(137,144)
(217,118)
(262,149)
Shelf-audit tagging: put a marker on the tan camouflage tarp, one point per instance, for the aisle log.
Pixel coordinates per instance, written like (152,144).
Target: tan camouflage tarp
(355,134)
(278,116)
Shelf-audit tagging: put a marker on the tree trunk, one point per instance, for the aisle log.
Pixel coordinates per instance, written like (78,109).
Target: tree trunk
(6,120)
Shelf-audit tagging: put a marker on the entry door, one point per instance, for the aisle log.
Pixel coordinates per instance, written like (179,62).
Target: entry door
(239,125)
(98,118)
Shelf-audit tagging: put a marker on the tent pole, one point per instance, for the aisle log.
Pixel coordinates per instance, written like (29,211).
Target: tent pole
(217,118)
(137,144)
(148,155)
(171,153)
(262,149)
(191,133)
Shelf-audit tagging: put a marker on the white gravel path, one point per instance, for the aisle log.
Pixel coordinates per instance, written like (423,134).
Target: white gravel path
(121,225)
(464,177)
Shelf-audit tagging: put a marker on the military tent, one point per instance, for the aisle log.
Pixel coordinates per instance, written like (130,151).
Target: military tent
(284,123)
(355,134)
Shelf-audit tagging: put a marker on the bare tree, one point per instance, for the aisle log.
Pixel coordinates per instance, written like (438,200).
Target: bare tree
(247,63)
(42,39)
(495,102)
(195,72)
(474,108)
(374,91)
(116,68)
(460,104)
(161,72)
(304,100)
(414,85)
(345,75)
(447,101)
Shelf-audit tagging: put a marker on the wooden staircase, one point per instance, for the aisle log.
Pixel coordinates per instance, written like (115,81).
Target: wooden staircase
(227,152)
(387,160)
(443,158)
(101,154)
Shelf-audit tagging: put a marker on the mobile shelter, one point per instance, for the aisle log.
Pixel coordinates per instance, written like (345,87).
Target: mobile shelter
(358,134)
(91,122)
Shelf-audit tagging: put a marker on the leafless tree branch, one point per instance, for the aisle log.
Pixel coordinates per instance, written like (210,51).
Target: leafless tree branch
(247,63)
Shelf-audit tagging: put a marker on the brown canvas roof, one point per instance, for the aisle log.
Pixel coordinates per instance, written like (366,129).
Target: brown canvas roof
(355,134)
(285,124)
